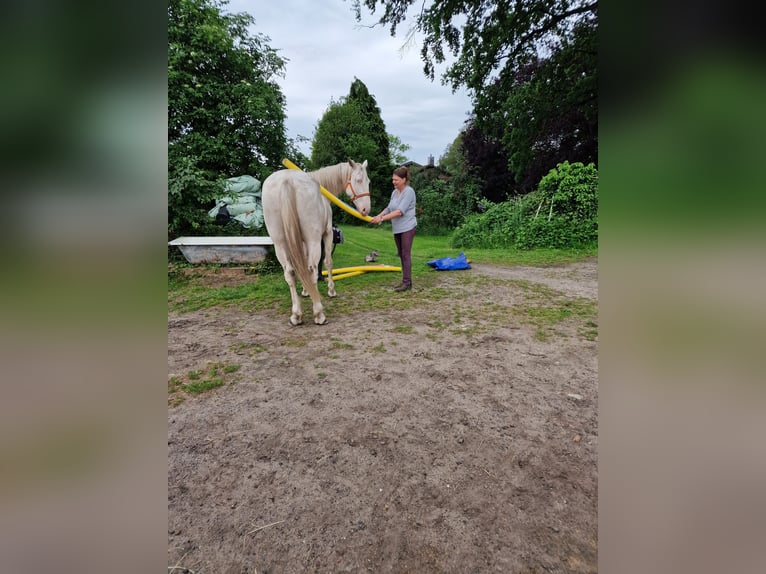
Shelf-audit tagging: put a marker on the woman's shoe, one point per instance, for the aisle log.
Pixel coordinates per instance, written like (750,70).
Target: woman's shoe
(402,287)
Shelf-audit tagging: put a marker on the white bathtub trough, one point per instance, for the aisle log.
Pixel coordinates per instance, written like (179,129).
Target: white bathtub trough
(223,249)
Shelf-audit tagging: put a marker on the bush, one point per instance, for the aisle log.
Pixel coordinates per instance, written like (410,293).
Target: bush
(442,205)
(191,195)
(495,228)
(190,191)
(561,213)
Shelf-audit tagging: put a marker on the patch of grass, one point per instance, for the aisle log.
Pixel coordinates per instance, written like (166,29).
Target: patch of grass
(589,331)
(535,290)
(532,258)
(252,348)
(175,386)
(200,381)
(202,386)
(403,329)
(548,309)
(267,289)
(380,348)
(338,344)
(440,294)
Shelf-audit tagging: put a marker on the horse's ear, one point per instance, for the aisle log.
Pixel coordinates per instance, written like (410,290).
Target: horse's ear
(364,165)
(351,162)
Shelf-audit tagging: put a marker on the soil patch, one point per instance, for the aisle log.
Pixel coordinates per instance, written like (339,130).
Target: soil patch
(459,435)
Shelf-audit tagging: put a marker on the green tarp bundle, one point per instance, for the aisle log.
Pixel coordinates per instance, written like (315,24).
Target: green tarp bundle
(242,200)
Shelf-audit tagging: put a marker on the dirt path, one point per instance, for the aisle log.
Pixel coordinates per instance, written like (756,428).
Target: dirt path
(457,436)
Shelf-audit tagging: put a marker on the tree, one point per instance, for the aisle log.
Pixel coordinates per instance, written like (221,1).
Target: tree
(496,35)
(360,95)
(339,135)
(397,149)
(547,113)
(485,157)
(353,128)
(531,62)
(452,160)
(225,110)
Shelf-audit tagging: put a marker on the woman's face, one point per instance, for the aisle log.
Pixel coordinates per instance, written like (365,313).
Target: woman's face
(398,182)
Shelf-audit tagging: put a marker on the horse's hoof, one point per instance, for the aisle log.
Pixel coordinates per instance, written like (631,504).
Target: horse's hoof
(295,321)
(332,293)
(320,320)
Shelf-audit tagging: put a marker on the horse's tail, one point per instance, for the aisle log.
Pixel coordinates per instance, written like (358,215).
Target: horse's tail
(295,242)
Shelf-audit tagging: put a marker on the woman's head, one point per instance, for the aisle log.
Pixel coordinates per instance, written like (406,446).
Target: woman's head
(400,177)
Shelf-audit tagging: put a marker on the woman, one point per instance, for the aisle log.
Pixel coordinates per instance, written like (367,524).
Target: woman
(401,212)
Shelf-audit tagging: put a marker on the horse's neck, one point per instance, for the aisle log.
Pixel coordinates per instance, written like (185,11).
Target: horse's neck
(332,178)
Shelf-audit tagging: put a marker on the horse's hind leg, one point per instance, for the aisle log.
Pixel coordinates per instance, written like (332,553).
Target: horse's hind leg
(313,256)
(313,253)
(296,317)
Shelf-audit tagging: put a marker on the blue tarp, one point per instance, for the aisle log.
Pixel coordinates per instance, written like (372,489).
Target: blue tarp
(450,263)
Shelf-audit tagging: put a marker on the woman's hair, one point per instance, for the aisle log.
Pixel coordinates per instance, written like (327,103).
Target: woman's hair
(402,172)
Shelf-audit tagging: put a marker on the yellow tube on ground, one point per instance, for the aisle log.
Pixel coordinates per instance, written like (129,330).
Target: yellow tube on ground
(344,206)
(344,275)
(364,268)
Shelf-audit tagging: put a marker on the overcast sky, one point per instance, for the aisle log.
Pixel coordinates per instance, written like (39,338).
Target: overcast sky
(326,49)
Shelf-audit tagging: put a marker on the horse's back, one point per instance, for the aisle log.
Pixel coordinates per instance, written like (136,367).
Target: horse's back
(281,182)
(313,210)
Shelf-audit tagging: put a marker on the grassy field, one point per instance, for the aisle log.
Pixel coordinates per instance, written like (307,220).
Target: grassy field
(268,290)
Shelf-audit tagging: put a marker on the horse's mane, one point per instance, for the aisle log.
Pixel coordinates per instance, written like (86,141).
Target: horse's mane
(333,178)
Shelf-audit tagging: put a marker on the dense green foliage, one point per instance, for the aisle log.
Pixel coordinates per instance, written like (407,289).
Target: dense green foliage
(531,69)
(547,112)
(442,201)
(452,161)
(485,158)
(225,109)
(562,213)
(353,128)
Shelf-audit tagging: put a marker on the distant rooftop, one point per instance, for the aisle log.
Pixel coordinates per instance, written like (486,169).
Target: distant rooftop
(411,163)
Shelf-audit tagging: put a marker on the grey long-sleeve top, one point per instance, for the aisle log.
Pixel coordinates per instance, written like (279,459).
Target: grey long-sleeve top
(404,202)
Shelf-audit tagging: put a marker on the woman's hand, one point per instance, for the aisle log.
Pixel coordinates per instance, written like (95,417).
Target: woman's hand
(377,220)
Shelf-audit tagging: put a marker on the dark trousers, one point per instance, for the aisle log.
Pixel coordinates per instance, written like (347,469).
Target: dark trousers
(404,251)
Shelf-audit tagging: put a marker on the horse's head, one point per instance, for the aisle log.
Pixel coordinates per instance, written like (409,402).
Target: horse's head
(358,186)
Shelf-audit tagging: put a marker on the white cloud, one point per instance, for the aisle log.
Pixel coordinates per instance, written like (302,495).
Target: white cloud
(326,49)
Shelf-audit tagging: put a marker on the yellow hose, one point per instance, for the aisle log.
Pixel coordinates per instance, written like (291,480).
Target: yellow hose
(344,275)
(364,268)
(345,207)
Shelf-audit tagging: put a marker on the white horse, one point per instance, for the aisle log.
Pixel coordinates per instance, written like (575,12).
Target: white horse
(298,218)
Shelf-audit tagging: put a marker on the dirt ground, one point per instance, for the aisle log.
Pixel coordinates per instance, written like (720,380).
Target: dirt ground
(448,437)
